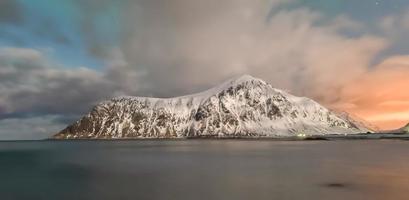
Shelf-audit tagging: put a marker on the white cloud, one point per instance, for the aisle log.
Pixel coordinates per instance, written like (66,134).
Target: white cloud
(188,46)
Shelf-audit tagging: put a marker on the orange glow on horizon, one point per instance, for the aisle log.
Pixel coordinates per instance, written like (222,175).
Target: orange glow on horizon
(380,96)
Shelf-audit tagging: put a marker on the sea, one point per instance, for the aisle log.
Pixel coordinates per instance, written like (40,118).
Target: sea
(204,170)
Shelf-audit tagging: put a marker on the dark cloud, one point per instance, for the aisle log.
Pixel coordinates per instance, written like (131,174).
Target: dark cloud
(10,12)
(39,97)
(30,83)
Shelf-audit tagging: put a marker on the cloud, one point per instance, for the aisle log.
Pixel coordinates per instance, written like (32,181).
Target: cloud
(10,12)
(159,42)
(395,24)
(38,96)
(177,47)
(30,82)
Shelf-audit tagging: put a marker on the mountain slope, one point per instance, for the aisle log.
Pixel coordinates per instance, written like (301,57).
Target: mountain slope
(243,106)
(357,121)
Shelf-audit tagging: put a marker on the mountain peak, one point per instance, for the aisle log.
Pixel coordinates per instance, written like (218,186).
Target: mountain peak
(245,78)
(238,80)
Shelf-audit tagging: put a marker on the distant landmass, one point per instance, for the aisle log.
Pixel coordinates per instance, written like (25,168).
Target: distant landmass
(403,130)
(240,107)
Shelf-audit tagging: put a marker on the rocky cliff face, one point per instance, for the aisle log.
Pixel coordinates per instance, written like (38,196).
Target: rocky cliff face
(241,107)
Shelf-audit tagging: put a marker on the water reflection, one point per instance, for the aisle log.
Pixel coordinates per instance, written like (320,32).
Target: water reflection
(204,169)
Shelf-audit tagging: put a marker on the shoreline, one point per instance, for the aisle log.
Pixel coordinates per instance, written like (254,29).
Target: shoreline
(362,136)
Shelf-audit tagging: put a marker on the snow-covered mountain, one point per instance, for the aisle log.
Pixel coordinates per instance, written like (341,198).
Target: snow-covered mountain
(241,107)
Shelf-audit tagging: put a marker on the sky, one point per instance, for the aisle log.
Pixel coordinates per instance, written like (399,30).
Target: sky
(58,58)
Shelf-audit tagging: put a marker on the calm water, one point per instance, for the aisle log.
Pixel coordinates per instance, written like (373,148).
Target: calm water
(204,169)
